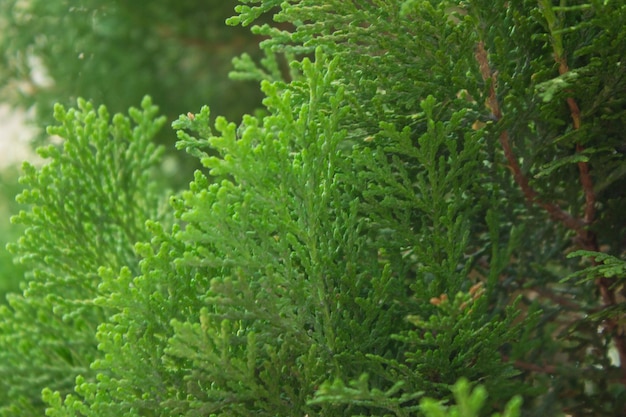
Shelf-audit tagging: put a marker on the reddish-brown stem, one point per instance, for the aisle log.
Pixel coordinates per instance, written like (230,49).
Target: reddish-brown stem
(583,167)
(587,183)
(544,369)
(555,212)
(585,238)
(588,239)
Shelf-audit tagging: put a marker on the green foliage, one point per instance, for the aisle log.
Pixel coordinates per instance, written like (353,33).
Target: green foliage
(278,264)
(468,404)
(10,273)
(606,266)
(115,52)
(403,214)
(88,208)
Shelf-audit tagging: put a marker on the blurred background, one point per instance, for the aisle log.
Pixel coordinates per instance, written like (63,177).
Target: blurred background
(112,52)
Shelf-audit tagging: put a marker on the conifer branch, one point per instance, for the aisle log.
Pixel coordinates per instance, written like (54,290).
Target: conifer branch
(531,195)
(586,238)
(301,272)
(543,369)
(561,60)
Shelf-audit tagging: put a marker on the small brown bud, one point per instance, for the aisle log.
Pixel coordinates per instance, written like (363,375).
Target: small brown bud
(476,290)
(435,301)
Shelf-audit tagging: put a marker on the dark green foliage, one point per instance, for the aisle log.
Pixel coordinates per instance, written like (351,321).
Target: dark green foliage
(433,195)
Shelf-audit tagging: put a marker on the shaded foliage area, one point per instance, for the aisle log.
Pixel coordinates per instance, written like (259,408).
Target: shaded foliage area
(116,52)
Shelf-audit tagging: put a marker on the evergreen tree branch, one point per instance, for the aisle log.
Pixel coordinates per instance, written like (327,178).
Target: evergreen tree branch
(588,241)
(543,368)
(586,238)
(583,167)
(531,195)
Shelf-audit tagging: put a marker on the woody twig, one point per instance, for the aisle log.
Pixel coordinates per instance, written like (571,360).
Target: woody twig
(531,195)
(588,240)
(585,238)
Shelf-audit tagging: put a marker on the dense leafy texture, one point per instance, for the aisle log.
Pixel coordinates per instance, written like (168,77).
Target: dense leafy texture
(89,205)
(114,53)
(433,195)
(10,273)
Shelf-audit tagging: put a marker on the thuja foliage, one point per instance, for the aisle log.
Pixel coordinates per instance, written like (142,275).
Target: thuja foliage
(434,195)
(89,205)
(9,272)
(115,52)
(468,403)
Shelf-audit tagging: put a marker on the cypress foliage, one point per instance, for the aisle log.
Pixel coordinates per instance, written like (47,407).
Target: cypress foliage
(89,205)
(10,272)
(115,52)
(432,196)
(278,264)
